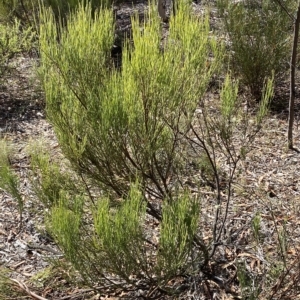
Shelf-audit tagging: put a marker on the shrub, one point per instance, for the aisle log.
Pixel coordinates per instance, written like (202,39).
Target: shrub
(260,40)
(25,10)
(130,135)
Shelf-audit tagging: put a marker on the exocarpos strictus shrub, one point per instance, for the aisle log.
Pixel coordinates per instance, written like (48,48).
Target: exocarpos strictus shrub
(131,221)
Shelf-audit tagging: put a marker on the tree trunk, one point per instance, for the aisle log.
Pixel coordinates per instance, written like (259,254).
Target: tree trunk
(292,80)
(161,6)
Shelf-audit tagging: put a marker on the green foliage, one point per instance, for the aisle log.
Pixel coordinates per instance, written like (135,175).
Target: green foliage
(178,229)
(229,98)
(260,40)
(256,226)
(117,242)
(229,107)
(9,181)
(267,94)
(65,223)
(250,288)
(95,109)
(120,234)
(44,170)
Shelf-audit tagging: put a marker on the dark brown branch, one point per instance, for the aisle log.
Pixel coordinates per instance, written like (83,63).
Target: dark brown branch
(285,9)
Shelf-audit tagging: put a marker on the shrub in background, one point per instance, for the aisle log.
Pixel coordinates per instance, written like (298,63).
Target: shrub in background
(26,10)
(13,41)
(17,9)
(130,134)
(259,39)
(62,8)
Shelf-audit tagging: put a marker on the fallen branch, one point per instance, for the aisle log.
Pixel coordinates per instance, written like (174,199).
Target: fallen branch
(25,288)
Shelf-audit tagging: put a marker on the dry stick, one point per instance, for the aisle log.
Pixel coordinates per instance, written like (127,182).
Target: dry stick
(25,11)
(227,207)
(213,164)
(292,80)
(217,236)
(217,213)
(25,288)
(285,9)
(282,250)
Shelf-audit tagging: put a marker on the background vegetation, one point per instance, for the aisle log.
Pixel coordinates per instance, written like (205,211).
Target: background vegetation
(260,39)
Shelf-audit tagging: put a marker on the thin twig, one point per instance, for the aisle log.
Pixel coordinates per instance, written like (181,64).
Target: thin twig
(87,188)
